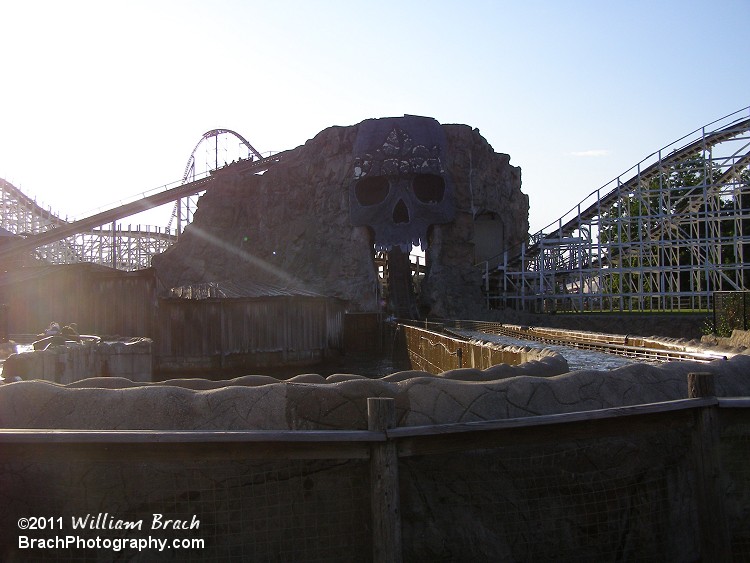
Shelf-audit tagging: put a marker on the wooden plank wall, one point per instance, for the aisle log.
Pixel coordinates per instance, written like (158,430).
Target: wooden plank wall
(216,333)
(198,333)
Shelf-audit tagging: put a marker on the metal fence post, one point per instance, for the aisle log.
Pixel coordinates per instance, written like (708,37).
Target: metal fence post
(384,491)
(715,543)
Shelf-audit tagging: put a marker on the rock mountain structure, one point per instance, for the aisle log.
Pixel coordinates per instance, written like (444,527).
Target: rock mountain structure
(316,221)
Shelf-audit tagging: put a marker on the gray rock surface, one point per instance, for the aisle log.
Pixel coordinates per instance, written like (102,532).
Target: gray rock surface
(608,497)
(340,401)
(291,226)
(131,359)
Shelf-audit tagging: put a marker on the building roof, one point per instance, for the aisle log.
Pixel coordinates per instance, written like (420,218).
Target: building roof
(238,290)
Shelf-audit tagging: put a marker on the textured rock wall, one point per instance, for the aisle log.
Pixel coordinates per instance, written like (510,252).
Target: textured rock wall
(65,364)
(291,226)
(629,495)
(287,227)
(309,401)
(485,183)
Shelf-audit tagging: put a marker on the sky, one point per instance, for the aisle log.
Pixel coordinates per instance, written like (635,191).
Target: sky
(101,101)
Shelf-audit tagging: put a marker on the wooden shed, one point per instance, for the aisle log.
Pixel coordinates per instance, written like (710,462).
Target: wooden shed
(195,329)
(227,325)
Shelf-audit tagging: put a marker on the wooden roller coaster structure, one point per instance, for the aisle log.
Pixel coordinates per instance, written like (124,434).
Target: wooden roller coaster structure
(663,236)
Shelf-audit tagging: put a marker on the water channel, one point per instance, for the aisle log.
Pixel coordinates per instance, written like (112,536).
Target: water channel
(578,359)
(372,366)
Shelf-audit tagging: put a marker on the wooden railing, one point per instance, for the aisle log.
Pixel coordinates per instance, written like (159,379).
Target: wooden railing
(386,445)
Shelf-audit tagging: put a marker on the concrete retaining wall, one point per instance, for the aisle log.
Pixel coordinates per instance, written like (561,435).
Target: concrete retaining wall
(674,325)
(131,359)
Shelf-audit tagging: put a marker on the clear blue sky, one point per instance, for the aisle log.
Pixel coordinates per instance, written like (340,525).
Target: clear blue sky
(103,100)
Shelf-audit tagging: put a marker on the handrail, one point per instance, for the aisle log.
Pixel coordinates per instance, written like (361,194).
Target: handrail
(547,419)
(734,402)
(36,436)
(42,436)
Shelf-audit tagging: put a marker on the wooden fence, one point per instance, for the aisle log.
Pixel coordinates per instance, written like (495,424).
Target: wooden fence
(656,482)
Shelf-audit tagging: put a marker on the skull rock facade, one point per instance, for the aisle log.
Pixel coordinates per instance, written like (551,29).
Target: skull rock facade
(399,187)
(314,220)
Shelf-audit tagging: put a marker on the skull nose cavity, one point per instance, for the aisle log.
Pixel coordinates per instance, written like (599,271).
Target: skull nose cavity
(400,212)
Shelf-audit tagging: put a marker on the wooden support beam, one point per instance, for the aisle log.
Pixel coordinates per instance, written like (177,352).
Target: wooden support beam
(715,542)
(386,502)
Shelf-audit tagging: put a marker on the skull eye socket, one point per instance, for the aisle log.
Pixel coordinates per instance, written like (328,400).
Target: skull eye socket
(429,188)
(372,190)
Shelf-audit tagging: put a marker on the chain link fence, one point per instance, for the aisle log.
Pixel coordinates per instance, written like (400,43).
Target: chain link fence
(731,311)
